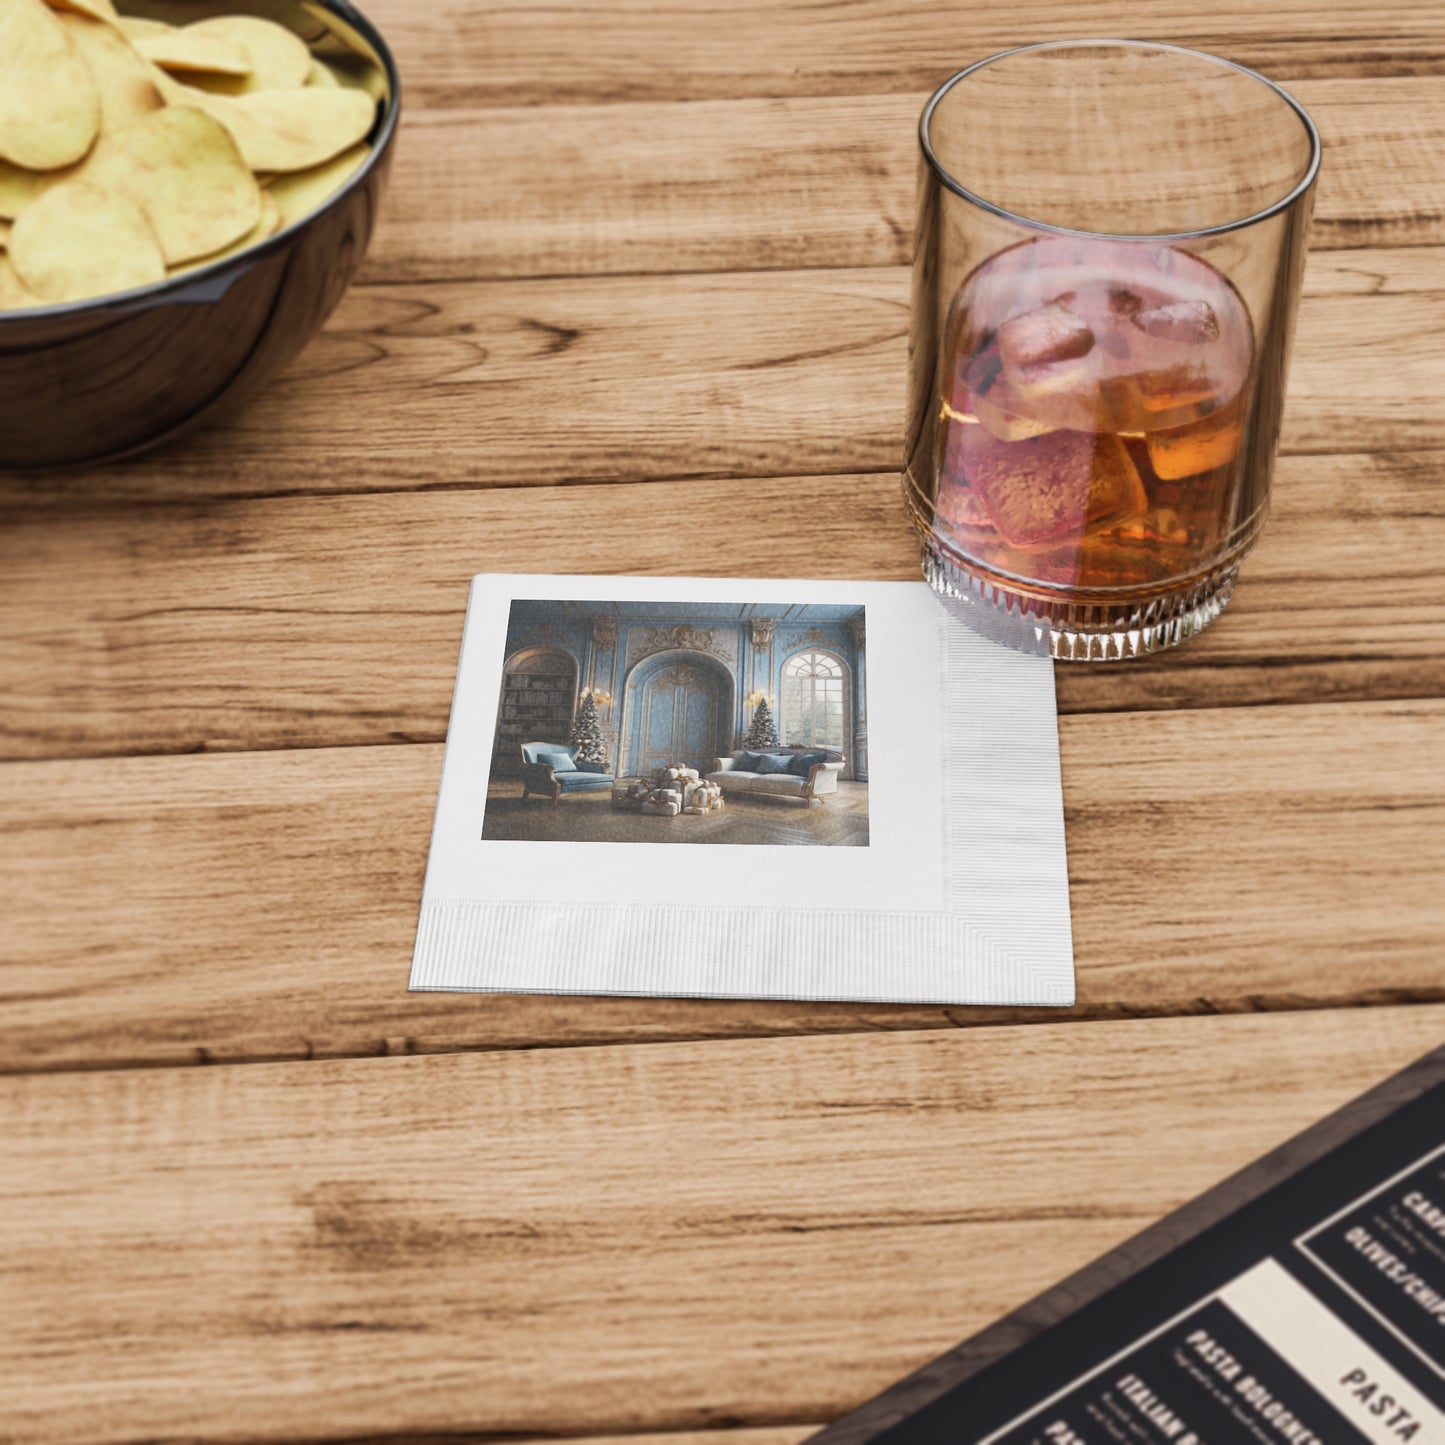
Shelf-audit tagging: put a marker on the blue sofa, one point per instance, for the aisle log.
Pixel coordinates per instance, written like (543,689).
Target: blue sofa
(551,770)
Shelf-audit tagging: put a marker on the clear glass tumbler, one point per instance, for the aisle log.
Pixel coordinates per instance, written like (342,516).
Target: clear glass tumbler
(1110,241)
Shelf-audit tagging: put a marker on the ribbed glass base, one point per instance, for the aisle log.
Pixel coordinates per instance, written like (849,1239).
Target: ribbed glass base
(1093,631)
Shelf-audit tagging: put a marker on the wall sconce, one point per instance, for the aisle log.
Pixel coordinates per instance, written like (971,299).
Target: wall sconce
(600,696)
(754,698)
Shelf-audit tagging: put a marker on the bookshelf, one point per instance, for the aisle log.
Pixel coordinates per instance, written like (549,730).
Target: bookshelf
(539,695)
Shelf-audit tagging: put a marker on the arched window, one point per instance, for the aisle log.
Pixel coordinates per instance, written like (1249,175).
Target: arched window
(814,701)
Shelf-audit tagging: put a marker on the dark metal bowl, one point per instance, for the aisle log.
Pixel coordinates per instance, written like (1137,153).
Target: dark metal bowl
(97,379)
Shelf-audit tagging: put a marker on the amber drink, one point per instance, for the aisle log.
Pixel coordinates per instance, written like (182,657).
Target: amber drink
(1096,415)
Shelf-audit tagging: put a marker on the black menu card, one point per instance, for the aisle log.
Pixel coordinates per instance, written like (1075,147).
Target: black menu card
(1301,1302)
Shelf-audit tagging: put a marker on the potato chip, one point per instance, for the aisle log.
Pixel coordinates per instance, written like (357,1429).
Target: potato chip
(18,187)
(263,230)
(190,49)
(78,241)
(134,27)
(181,167)
(49,105)
(298,193)
(13,295)
(214,84)
(5,234)
(127,93)
(279,58)
(282,130)
(96,9)
(322,75)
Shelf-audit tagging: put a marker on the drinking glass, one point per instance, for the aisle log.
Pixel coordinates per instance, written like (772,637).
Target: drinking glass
(1110,241)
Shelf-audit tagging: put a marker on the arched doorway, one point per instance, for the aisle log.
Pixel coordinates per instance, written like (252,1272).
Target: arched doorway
(539,696)
(677,708)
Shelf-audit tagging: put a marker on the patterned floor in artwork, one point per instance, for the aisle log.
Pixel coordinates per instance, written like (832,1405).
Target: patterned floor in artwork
(841,822)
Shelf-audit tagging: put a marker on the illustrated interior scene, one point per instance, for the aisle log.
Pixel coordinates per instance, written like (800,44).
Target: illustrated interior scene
(670,722)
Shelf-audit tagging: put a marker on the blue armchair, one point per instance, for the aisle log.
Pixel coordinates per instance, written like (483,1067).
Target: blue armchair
(552,769)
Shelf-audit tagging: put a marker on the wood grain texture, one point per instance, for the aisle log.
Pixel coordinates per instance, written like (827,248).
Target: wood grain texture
(262,906)
(520,384)
(456,53)
(733,185)
(306,622)
(585,1240)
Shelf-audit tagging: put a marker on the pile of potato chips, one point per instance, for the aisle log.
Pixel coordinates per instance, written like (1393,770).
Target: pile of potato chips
(132,150)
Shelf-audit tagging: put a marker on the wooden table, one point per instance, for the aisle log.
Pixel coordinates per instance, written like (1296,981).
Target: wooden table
(638,260)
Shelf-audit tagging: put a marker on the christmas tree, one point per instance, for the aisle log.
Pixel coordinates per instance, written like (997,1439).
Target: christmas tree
(763,733)
(587,733)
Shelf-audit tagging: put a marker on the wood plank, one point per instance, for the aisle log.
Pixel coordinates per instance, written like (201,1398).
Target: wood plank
(303,622)
(641,378)
(584,1240)
(262,906)
(457,53)
(782,184)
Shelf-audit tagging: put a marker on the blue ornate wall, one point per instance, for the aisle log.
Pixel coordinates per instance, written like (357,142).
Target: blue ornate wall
(615,652)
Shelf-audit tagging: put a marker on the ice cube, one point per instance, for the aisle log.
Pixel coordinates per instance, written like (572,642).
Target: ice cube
(989,398)
(1088,393)
(1193,322)
(1185,451)
(1045,490)
(1042,337)
(1169,377)
(959,510)
(1171,388)
(1006,425)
